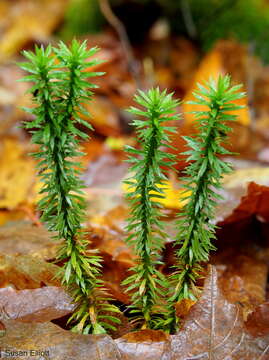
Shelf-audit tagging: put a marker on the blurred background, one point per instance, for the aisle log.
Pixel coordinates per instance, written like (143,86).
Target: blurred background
(167,43)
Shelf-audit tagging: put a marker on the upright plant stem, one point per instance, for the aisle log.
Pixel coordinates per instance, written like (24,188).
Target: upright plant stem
(59,88)
(196,229)
(145,229)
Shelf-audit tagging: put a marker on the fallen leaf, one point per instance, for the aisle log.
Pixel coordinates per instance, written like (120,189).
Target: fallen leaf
(12,96)
(35,305)
(258,321)
(20,238)
(56,343)
(183,307)
(214,330)
(255,203)
(26,272)
(173,198)
(244,282)
(146,345)
(27,20)
(17,175)
(104,117)
(106,235)
(213,65)
(235,190)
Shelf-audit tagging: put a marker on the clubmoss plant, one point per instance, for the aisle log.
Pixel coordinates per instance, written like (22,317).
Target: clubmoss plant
(145,228)
(59,75)
(204,173)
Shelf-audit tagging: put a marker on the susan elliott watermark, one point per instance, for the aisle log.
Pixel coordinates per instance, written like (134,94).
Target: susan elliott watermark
(15,354)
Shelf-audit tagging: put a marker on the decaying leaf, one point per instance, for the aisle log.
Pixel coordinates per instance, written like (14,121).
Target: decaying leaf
(22,238)
(244,282)
(26,272)
(59,344)
(35,305)
(237,190)
(213,330)
(146,345)
(258,321)
(255,203)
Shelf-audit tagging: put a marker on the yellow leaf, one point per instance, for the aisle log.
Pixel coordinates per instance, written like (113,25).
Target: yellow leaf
(27,20)
(173,198)
(17,175)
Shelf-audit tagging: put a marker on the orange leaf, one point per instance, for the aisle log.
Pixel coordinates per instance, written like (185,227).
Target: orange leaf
(212,65)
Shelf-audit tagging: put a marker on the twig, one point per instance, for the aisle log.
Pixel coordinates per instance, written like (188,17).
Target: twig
(250,81)
(188,19)
(115,22)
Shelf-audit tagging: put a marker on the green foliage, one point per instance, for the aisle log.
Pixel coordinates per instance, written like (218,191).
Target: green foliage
(82,17)
(244,20)
(145,228)
(59,76)
(203,181)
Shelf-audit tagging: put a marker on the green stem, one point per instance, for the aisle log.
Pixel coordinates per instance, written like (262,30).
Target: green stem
(146,217)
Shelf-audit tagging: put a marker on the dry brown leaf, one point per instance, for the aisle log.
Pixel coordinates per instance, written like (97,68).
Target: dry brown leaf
(258,321)
(26,272)
(104,117)
(254,203)
(237,189)
(213,330)
(183,307)
(146,345)
(12,96)
(106,234)
(35,305)
(60,344)
(22,238)
(244,282)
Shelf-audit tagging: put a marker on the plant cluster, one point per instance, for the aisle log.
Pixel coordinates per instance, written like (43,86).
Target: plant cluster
(59,75)
(61,87)
(203,181)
